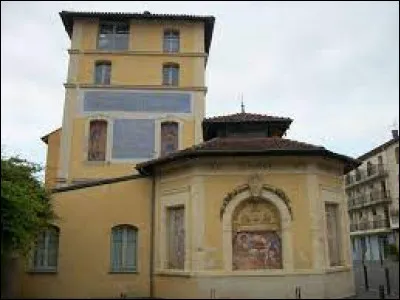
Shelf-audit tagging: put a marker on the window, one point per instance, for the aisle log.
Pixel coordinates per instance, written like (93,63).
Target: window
(176,237)
(369,168)
(373,211)
(171,74)
(396,153)
(102,72)
(169,137)
(171,41)
(358,174)
(113,36)
(124,248)
(333,230)
(97,140)
(45,254)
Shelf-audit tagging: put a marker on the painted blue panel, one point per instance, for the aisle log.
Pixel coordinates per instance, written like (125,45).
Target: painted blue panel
(136,102)
(133,139)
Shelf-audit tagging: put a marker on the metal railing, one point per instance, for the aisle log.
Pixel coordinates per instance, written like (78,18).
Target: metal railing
(361,175)
(365,199)
(376,223)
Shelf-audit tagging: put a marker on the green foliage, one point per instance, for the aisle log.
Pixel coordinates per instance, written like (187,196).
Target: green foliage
(25,205)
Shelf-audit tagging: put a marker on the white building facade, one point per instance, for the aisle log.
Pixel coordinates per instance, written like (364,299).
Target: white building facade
(373,201)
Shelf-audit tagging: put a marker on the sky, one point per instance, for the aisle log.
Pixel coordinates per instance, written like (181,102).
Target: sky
(333,67)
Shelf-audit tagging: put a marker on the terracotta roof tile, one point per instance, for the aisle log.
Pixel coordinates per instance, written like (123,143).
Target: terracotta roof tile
(247,146)
(246,117)
(253,143)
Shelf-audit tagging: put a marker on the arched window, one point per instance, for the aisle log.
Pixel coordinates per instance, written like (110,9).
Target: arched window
(169,137)
(171,41)
(102,72)
(45,254)
(256,236)
(124,248)
(97,140)
(171,74)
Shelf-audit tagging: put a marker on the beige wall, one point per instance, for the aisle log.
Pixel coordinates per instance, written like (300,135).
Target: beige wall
(86,217)
(53,154)
(144,35)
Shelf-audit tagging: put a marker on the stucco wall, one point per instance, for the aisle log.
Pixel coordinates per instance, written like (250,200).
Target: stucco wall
(86,217)
(53,154)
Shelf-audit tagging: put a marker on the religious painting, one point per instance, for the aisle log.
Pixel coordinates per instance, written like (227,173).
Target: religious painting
(176,238)
(256,241)
(169,137)
(256,250)
(97,140)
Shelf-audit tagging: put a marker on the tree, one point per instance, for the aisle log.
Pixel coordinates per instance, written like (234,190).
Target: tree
(25,206)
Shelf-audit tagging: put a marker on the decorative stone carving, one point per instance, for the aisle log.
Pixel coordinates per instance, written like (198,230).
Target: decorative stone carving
(256,189)
(255,184)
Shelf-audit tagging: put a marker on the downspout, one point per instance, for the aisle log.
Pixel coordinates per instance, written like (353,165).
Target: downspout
(152,227)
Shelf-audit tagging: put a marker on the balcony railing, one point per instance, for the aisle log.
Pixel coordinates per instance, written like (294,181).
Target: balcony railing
(365,199)
(370,172)
(377,223)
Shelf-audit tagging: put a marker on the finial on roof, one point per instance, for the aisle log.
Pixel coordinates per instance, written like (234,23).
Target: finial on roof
(242,105)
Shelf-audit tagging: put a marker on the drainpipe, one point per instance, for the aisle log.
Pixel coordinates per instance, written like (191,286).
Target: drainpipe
(152,226)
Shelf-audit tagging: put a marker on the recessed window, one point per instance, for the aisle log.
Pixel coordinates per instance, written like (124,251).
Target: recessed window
(171,74)
(45,254)
(171,41)
(102,72)
(176,237)
(124,248)
(169,137)
(333,234)
(113,36)
(97,140)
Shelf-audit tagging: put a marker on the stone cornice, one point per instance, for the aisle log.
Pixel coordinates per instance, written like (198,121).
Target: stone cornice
(137,53)
(136,87)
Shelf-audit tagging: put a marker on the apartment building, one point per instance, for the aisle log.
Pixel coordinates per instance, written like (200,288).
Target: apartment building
(373,201)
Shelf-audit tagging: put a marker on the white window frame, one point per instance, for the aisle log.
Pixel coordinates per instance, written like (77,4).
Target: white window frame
(108,140)
(171,36)
(103,68)
(124,268)
(45,267)
(170,68)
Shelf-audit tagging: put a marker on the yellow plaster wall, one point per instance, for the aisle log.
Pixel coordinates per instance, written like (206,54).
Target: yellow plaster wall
(86,218)
(53,154)
(148,35)
(80,168)
(142,69)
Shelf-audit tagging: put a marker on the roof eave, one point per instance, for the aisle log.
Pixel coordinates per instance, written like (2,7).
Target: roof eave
(147,168)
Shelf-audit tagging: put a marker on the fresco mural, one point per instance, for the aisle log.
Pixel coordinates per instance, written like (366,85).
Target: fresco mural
(97,140)
(256,241)
(176,238)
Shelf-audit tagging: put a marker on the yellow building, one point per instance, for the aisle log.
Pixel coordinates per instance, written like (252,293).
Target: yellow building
(154,200)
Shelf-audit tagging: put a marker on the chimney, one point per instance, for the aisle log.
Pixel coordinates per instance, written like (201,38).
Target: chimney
(395,133)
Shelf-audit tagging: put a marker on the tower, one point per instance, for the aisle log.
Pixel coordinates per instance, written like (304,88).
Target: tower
(135,90)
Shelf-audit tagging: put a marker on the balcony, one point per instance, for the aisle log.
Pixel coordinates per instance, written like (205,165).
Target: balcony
(376,223)
(377,196)
(361,176)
